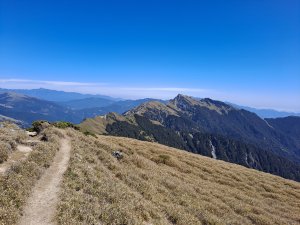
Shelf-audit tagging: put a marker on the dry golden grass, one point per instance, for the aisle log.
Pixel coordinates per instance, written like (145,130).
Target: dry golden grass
(10,136)
(155,184)
(16,184)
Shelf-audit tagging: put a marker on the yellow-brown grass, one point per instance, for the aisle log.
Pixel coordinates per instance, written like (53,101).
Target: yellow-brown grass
(155,184)
(16,184)
(10,136)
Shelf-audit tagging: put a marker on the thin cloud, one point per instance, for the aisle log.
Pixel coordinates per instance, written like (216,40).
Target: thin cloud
(167,89)
(58,83)
(101,88)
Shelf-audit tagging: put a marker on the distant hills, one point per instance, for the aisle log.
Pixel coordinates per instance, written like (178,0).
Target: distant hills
(87,103)
(92,105)
(25,109)
(55,96)
(266,113)
(210,128)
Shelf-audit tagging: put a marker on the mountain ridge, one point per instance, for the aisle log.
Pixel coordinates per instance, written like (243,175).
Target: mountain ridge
(216,117)
(64,96)
(197,125)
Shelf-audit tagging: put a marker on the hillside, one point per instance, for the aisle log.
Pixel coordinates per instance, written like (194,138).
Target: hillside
(186,114)
(28,109)
(5,118)
(155,184)
(150,184)
(288,126)
(209,128)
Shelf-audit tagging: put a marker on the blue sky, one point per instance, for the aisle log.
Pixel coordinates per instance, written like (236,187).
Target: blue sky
(247,52)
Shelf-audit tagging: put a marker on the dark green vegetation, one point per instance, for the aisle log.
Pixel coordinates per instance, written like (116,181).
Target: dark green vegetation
(39,125)
(226,149)
(288,126)
(64,124)
(204,126)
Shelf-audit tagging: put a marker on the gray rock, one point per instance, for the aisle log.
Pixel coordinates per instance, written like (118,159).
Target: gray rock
(117,154)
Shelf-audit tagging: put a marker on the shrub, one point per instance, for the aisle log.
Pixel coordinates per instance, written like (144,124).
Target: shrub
(88,133)
(39,125)
(64,124)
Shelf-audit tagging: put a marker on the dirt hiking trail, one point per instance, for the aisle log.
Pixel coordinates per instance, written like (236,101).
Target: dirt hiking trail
(40,208)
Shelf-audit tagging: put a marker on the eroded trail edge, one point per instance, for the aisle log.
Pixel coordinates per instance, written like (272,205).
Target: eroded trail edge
(41,205)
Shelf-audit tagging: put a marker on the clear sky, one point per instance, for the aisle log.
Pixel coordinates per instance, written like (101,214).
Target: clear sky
(243,51)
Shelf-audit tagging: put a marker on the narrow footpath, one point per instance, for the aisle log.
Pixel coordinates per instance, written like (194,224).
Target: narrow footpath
(40,208)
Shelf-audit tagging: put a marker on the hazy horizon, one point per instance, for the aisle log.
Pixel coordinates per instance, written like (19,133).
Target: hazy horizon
(170,93)
(245,52)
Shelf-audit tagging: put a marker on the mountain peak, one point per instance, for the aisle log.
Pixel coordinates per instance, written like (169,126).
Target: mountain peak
(151,106)
(182,97)
(184,102)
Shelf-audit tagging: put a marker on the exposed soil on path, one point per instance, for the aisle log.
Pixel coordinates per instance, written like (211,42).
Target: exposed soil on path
(41,205)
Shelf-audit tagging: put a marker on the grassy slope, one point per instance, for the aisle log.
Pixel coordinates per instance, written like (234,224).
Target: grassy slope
(10,136)
(17,184)
(155,184)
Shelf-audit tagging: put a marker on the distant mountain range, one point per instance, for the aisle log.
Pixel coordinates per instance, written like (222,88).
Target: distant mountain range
(26,109)
(203,126)
(92,105)
(87,103)
(266,113)
(210,128)
(55,96)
